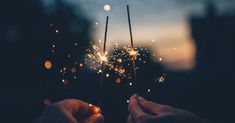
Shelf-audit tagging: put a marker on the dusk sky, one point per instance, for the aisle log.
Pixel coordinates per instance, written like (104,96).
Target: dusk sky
(165,21)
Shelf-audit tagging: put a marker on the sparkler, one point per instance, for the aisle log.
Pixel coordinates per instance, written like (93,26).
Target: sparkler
(103,59)
(132,52)
(122,61)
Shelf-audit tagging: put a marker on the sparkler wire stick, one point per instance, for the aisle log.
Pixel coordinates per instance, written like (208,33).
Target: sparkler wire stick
(132,43)
(129,22)
(102,63)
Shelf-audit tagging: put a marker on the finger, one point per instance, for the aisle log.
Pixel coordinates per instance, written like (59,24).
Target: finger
(74,106)
(129,119)
(135,110)
(151,107)
(96,118)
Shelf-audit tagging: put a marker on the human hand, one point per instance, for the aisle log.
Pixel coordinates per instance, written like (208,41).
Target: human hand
(143,111)
(71,111)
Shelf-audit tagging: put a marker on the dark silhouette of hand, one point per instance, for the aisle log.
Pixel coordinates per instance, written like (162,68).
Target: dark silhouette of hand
(143,111)
(71,111)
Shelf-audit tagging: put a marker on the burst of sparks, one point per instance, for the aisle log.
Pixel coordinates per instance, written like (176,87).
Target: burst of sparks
(118,62)
(133,53)
(103,57)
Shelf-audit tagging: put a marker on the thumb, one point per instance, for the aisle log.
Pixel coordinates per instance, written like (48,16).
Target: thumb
(96,118)
(151,107)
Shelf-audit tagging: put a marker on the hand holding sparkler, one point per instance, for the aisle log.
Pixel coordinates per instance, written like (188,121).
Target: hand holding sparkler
(71,111)
(143,111)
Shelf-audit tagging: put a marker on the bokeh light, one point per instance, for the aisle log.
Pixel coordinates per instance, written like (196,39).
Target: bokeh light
(48,64)
(107,7)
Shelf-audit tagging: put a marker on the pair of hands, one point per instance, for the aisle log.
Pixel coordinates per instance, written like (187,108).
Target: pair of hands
(140,111)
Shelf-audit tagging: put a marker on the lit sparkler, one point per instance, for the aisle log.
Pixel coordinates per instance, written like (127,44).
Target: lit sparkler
(103,59)
(133,53)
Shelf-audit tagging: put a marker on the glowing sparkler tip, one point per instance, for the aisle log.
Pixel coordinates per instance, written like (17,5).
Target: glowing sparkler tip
(133,53)
(103,57)
(94,109)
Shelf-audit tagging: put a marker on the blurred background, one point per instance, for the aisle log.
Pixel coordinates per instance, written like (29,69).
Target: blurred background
(43,42)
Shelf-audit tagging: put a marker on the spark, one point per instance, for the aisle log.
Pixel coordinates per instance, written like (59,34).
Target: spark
(161,79)
(81,65)
(133,53)
(100,71)
(149,90)
(119,60)
(65,81)
(103,57)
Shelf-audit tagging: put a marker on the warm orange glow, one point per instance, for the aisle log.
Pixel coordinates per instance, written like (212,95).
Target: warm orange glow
(94,109)
(81,65)
(118,81)
(48,64)
(119,60)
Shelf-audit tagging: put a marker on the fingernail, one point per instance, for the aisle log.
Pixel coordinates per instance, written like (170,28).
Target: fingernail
(140,98)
